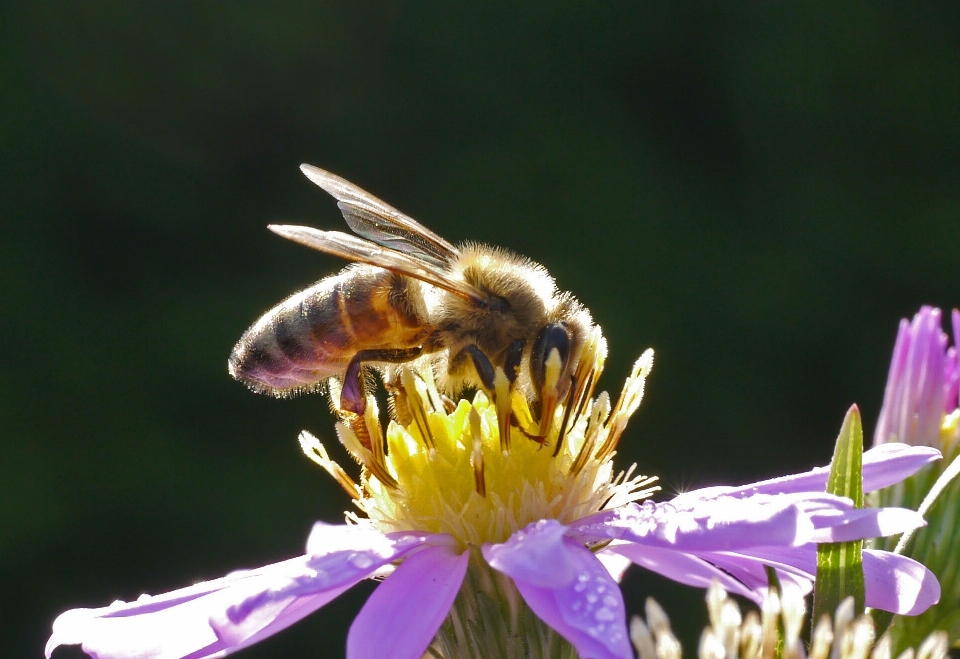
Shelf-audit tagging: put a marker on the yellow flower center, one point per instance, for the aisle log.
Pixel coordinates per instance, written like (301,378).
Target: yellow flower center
(481,469)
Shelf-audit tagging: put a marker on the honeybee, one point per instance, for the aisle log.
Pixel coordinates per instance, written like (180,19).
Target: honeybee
(410,295)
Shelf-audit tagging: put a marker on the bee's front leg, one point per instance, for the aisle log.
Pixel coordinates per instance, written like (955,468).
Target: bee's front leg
(484,367)
(481,364)
(549,370)
(353,396)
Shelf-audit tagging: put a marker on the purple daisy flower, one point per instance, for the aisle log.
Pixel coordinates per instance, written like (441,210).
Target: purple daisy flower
(923,384)
(450,510)
(920,407)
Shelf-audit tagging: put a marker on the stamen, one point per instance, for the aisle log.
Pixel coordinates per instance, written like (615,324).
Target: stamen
(627,404)
(751,636)
(503,401)
(370,454)
(417,409)
(859,638)
(770,616)
(476,455)
(566,418)
(821,639)
(642,639)
(794,614)
(592,432)
(317,452)
(350,441)
(372,424)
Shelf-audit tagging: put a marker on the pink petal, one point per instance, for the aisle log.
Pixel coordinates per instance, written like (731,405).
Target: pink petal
(405,611)
(588,612)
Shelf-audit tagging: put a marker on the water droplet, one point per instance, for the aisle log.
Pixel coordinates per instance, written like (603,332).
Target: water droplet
(360,561)
(603,614)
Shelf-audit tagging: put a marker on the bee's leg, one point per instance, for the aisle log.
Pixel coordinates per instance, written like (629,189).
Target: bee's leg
(481,363)
(353,396)
(483,366)
(500,395)
(511,364)
(548,360)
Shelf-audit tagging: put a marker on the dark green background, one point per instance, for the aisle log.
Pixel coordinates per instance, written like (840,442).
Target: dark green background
(759,192)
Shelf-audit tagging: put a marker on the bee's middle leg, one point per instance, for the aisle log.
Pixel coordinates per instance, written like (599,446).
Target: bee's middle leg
(353,396)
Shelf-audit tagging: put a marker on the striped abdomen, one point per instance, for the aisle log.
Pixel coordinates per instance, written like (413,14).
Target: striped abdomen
(312,335)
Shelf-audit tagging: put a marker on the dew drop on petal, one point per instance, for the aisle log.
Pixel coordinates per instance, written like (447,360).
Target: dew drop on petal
(603,614)
(360,561)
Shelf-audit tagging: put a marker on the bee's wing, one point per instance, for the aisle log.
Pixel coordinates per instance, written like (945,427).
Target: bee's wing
(352,248)
(380,222)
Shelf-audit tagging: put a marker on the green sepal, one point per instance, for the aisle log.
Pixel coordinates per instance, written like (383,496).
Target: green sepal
(840,564)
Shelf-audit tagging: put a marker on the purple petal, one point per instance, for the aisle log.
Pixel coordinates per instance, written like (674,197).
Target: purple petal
(588,611)
(405,611)
(338,564)
(893,583)
(861,523)
(169,626)
(232,612)
(683,568)
(751,571)
(898,584)
(536,554)
(953,366)
(328,539)
(271,619)
(615,563)
(717,524)
(920,384)
(883,465)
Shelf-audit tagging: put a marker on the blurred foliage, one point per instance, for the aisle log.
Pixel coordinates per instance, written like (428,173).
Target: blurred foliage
(758,191)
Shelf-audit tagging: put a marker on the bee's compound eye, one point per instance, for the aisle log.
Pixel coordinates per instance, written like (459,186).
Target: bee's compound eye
(552,337)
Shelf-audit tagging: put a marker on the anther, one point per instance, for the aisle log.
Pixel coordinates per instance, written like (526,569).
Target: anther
(503,403)
(476,455)
(317,452)
(417,409)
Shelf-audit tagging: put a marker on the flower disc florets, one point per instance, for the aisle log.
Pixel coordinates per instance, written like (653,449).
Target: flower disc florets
(482,469)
